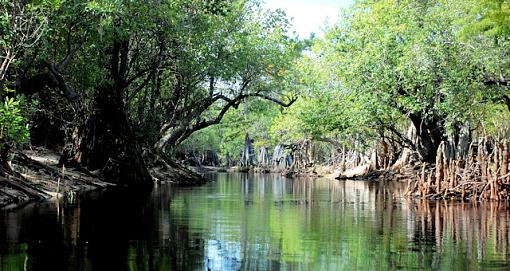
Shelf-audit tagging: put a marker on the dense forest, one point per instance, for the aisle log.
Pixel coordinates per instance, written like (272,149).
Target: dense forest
(125,86)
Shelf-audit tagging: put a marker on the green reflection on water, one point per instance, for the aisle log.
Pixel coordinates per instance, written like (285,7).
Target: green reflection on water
(16,259)
(257,222)
(267,222)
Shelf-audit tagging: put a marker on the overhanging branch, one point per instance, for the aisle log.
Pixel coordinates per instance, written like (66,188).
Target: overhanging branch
(175,134)
(274,100)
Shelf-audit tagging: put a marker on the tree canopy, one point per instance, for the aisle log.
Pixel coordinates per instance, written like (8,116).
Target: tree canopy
(152,74)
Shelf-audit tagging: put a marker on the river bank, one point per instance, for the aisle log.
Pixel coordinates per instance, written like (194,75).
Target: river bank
(359,173)
(37,176)
(329,172)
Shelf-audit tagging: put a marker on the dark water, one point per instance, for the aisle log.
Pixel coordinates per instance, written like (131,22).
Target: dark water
(256,222)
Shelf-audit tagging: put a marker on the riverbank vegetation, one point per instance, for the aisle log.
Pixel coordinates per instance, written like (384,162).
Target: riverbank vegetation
(124,88)
(421,85)
(117,84)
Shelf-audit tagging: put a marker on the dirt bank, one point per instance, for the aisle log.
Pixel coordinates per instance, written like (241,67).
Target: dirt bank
(37,177)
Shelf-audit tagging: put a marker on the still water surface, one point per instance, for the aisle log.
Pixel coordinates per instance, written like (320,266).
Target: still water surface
(256,222)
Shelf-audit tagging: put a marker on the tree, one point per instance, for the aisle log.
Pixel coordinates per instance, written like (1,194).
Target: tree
(218,61)
(439,65)
(406,57)
(22,24)
(188,61)
(487,30)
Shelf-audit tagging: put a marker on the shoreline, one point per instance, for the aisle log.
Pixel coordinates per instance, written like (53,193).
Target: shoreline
(37,177)
(328,172)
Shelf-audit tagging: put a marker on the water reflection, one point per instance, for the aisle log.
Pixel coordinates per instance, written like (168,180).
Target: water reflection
(256,222)
(481,229)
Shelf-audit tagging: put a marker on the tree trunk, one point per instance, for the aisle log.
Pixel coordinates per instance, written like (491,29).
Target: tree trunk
(279,158)
(228,161)
(248,157)
(461,141)
(264,157)
(107,143)
(408,154)
(374,163)
(5,160)
(430,134)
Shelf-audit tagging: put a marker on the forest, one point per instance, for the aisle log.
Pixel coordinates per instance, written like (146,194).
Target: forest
(215,135)
(129,90)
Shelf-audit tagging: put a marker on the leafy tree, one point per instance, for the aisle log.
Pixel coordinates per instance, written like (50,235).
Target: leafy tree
(169,68)
(438,64)
(402,59)
(13,128)
(486,29)
(22,24)
(238,54)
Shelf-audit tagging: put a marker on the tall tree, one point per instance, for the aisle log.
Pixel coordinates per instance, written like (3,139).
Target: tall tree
(218,57)
(22,24)
(154,72)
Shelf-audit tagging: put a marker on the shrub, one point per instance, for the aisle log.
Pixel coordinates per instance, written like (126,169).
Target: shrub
(14,127)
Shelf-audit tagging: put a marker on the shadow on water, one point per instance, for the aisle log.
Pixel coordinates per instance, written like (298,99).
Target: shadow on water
(256,222)
(112,230)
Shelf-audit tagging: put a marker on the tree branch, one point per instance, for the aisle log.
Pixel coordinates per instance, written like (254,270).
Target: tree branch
(405,141)
(506,99)
(60,82)
(331,141)
(280,103)
(505,82)
(70,53)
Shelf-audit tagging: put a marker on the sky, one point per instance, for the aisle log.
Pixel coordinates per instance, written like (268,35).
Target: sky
(309,15)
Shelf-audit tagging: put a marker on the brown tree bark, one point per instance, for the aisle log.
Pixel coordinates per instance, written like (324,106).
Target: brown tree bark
(5,161)
(106,142)
(430,134)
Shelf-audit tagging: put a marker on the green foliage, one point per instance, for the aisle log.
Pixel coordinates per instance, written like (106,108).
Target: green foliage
(228,137)
(490,17)
(22,24)
(191,63)
(187,60)
(255,122)
(216,56)
(14,127)
(494,121)
(202,141)
(387,60)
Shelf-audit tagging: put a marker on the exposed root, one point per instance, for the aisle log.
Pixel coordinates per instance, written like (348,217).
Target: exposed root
(37,176)
(169,171)
(482,175)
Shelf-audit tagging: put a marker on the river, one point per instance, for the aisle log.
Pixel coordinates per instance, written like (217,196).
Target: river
(256,222)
